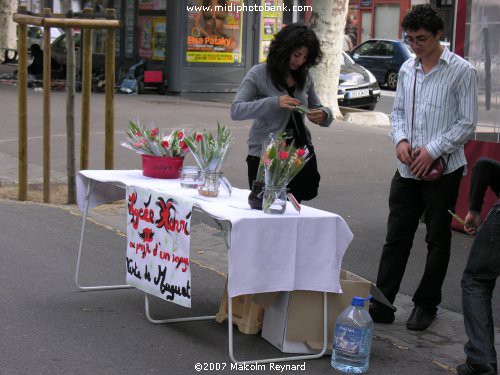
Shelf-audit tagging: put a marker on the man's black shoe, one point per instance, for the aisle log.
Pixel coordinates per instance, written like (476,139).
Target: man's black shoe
(381,313)
(421,318)
(478,369)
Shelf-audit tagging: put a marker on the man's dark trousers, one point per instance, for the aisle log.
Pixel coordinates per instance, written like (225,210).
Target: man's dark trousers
(408,199)
(478,282)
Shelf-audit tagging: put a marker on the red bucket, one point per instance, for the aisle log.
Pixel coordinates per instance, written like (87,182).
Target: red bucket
(161,166)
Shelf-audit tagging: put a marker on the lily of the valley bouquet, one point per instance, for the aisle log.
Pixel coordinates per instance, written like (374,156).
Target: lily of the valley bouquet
(150,141)
(208,150)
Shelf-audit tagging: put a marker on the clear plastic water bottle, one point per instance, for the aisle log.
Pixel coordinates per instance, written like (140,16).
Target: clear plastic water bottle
(353,338)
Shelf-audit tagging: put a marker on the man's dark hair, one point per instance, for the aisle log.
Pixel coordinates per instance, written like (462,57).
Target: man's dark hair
(286,41)
(423,17)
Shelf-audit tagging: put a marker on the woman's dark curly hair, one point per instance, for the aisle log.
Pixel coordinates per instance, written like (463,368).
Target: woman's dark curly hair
(285,42)
(423,17)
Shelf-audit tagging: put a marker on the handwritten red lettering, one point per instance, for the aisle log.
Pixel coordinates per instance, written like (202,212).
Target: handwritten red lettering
(144,214)
(167,218)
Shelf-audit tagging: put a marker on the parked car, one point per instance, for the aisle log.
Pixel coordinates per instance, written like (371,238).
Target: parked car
(383,57)
(35,35)
(58,51)
(358,87)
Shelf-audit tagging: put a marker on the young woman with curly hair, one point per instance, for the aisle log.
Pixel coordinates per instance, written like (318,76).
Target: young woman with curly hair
(269,93)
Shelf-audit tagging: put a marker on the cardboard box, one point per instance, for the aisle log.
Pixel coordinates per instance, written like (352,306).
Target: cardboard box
(294,321)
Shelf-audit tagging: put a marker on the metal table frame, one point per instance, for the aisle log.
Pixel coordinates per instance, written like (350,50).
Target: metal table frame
(92,184)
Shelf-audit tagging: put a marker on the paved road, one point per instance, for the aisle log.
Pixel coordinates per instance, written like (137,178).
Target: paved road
(356,164)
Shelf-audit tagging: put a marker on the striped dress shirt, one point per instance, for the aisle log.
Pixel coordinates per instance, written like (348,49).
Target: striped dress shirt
(445,109)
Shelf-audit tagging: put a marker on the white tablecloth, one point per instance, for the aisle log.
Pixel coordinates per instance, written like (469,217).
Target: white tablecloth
(293,251)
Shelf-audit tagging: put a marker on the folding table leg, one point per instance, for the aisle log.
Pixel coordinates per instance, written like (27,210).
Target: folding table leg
(173,320)
(90,190)
(280,359)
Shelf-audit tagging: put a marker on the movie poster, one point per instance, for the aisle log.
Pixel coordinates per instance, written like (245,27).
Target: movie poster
(214,31)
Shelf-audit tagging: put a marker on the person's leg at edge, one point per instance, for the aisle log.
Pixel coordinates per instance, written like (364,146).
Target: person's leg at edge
(405,209)
(478,283)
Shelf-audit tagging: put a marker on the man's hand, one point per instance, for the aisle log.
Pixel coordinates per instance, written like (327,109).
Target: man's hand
(287,102)
(422,162)
(472,222)
(317,116)
(403,152)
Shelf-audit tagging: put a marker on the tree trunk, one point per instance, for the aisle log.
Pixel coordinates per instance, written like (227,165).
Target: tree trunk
(8,37)
(70,107)
(328,20)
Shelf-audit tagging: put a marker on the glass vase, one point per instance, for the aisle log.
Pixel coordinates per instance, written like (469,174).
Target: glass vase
(274,201)
(189,177)
(210,182)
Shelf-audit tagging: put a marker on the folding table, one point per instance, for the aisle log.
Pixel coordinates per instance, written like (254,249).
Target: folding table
(293,251)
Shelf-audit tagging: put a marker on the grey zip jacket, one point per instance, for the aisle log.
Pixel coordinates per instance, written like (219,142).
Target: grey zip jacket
(258,99)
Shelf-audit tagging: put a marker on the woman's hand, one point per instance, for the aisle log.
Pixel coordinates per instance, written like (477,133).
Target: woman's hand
(287,102)
(317,116)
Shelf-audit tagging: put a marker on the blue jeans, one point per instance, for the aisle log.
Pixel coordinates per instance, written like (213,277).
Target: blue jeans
(478,282)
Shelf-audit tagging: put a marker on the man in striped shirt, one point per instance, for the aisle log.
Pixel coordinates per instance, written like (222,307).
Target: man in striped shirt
(434,113)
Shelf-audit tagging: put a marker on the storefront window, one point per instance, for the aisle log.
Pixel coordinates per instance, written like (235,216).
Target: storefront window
(214,32)
(129,28)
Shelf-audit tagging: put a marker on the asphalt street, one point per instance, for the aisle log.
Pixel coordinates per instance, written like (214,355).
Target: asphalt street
(48,326)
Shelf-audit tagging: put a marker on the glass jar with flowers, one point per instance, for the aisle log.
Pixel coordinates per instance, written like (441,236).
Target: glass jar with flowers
(280,164)
(209,152)
(162,156)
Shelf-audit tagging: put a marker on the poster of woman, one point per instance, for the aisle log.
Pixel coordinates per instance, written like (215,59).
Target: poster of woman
(214,31)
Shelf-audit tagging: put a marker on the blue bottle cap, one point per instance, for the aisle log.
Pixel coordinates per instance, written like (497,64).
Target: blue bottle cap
(358,301)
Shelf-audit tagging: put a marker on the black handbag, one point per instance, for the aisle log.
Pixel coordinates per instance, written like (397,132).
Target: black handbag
(305,184)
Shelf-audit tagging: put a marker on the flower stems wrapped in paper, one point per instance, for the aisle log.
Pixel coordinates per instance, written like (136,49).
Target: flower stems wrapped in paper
(150,141)
(162,156)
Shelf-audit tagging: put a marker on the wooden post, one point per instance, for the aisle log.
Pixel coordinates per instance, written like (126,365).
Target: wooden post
(46,109)
(58,20)
(22,102)
(86,86)
(109,118)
